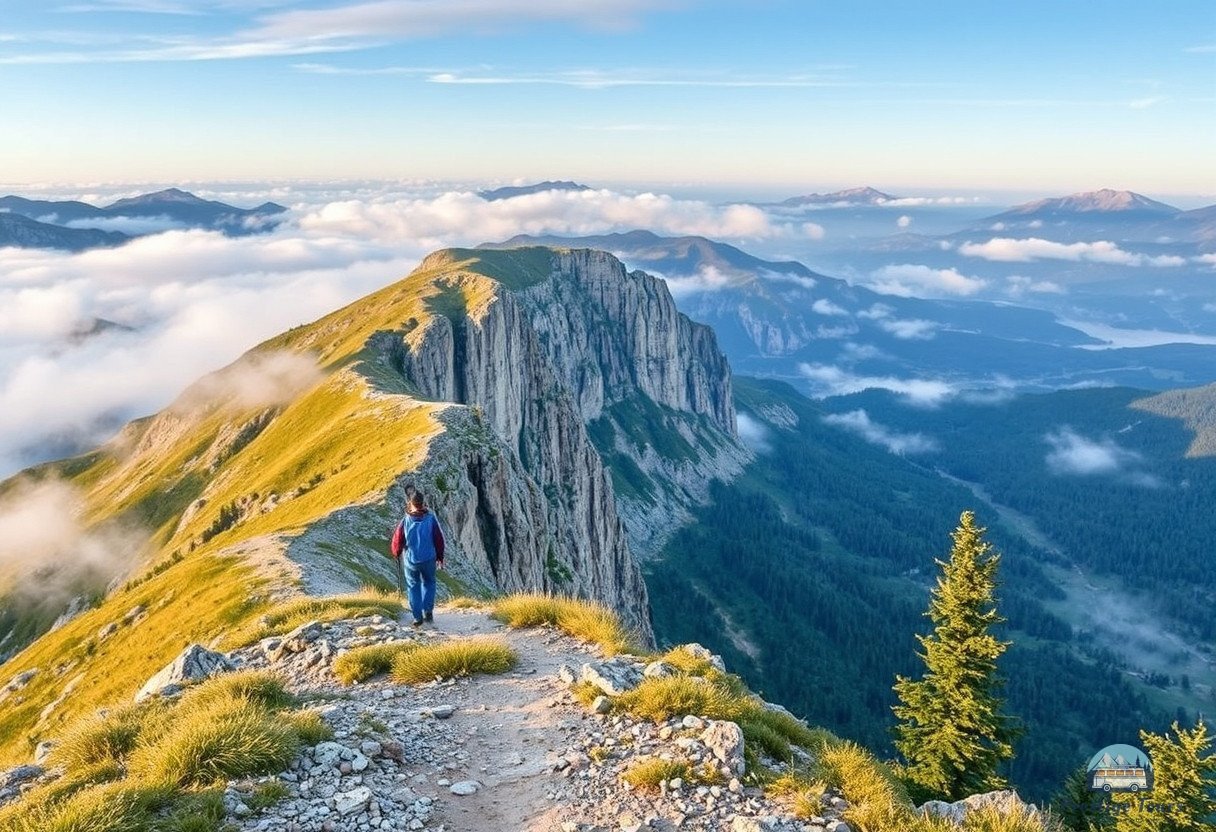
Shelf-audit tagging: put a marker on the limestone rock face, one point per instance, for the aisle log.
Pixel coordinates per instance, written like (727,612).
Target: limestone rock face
(516,479)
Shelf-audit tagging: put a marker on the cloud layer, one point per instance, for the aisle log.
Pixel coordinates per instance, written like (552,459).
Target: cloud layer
(190,301)
(912,280)
(902,444)
(1030,249)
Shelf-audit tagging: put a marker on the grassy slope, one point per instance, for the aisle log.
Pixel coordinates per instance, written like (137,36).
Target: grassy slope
(342,439)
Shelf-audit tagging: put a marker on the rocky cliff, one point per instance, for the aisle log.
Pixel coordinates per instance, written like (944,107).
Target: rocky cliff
(651,385)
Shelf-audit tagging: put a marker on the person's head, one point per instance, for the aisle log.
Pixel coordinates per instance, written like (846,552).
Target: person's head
(417,501)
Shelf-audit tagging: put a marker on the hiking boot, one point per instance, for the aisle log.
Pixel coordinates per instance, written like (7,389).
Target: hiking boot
(429,618)
(417,623)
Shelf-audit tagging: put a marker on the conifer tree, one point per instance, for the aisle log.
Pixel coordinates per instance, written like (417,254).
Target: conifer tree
(1183,798)
(1080,808)
(953,732)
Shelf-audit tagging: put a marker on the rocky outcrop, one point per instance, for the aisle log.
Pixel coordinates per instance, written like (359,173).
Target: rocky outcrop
(192,664)
(1005,803)
(534,359)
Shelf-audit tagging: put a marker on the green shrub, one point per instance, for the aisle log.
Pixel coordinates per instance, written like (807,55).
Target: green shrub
(110,807)
(267,794)
(453,658)
(365,662)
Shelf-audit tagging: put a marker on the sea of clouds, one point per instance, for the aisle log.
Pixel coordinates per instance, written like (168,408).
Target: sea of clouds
(188,301)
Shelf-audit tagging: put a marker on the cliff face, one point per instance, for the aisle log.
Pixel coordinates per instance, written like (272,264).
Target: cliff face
(518,482)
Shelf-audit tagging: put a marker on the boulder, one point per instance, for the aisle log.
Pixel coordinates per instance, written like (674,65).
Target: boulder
(1005,802)
(21,679)
(192,664)
(612,677)
(697,651)
(659,670)
(725,741)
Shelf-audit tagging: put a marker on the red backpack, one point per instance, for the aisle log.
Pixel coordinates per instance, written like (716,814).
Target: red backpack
(398,541)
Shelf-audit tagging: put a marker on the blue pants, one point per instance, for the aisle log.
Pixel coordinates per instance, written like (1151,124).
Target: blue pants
(420,586)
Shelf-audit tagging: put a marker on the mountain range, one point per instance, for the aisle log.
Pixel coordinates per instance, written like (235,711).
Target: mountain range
(75,226)
(511,191)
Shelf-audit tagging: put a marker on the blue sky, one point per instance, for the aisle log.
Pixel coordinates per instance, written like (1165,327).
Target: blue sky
(767,96)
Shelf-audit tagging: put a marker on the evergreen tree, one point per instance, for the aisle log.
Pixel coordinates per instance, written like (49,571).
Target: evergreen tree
(953,732)
(1080,808)
(1183,798)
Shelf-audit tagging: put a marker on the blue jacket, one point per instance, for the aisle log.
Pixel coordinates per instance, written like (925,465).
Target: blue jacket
(423,537)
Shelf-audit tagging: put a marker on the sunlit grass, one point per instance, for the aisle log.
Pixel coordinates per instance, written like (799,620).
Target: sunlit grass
(586,620)
(447,659)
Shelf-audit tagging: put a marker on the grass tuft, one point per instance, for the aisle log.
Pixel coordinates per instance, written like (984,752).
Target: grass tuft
(661,699)
(267,794)
(108,738)
(585,620)
(261,687)
(309,726)
(365,662)
(453,658)
(230,738)
(651,773)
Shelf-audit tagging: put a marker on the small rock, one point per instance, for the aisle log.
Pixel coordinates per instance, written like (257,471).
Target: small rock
(725,741)
(192,664)
(464,787)
(42,751)
(694,722)
(107,631)
(659,670)
(371,748)
(566,674)
(602,704)
(347,802)
(443,711)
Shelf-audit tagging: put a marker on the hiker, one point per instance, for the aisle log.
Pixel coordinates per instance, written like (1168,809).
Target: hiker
(417,546)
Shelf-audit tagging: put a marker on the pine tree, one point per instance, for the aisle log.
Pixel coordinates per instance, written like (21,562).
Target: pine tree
(1080,808)
(1183,798)
(953,732)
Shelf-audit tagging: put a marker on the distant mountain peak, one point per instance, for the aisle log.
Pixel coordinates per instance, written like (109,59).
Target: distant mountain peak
(856,196)
(539,187)
(174,195)
(1105,200)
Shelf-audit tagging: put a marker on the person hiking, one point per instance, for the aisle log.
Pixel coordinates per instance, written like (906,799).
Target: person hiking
(417,546)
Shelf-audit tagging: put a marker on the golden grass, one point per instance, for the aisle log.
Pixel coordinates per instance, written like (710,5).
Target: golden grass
(261,687)
(228,738)
(465,602)
(110,807)
(651,773)
(363,663)
(582,619)
(448,659)
(108,738)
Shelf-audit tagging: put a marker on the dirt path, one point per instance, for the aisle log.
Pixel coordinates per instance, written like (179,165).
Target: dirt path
(511,729)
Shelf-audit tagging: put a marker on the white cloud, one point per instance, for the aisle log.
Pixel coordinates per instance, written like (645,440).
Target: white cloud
(904,221)
(828,380)
(1074,455)
(813,231)
(902,444)
(754,433)
(45,549)
(823,306)
(1206,259)
(876,312)
(804,281)
(549,212)
(913,329)
(1030,249)
(835,332)
(1019,285)
(912,280)
(1209,307)
(707,279)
